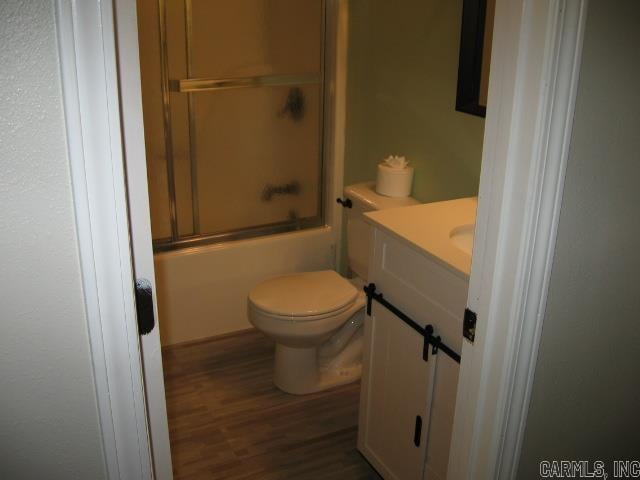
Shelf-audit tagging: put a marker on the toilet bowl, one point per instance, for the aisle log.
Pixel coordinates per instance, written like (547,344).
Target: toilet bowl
(314,319)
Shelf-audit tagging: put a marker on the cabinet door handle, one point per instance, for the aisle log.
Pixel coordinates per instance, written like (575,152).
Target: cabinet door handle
(418,431)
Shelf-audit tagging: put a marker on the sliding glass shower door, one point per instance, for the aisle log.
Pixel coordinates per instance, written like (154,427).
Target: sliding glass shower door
(233,94)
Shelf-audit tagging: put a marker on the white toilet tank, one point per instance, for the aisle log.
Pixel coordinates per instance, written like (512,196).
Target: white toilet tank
(364,198)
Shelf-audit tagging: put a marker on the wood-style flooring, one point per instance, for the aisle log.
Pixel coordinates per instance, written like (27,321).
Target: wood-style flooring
(228,421)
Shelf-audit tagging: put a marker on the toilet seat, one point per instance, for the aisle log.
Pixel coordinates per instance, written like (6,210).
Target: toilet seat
(304,296)
(358,302)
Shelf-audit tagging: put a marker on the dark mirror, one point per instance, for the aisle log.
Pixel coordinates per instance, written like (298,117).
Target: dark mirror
(475,56)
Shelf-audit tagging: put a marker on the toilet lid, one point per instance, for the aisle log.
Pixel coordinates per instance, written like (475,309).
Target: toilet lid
(303,294)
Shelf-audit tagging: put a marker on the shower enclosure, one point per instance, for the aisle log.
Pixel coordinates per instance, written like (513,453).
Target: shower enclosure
(233,99)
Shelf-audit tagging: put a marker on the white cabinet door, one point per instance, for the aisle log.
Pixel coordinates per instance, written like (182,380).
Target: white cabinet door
(397,387)
(443,406)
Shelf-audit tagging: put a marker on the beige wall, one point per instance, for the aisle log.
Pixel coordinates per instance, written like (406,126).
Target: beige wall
(48,416)
(585,394)
(402,78)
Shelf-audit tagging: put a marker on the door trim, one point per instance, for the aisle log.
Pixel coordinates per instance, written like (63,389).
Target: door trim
(86,46)
(534,76)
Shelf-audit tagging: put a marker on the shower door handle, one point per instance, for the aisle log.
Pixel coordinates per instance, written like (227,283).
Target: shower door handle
(144,306)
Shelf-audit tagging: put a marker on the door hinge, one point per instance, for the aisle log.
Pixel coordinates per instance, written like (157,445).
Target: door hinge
(469,325)
(144,306)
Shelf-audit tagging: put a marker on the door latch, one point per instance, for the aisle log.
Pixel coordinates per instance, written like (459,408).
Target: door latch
(144,306)
(469,325)
(346,203)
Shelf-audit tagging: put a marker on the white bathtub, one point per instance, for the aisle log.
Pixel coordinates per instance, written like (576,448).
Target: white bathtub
(202,291)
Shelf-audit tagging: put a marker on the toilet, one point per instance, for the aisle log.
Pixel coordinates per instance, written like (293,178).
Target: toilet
(315,318)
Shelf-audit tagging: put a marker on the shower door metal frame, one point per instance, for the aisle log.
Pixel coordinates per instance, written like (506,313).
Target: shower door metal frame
(191,86)
(166,110)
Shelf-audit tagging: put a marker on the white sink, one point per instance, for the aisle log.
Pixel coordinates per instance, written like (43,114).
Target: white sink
(441,230)
(462,237)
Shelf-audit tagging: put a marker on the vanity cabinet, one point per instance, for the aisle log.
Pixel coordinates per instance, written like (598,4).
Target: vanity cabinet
(407,404)
(395,413)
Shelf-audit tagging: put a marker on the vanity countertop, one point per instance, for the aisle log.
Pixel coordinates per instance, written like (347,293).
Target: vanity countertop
(431,228)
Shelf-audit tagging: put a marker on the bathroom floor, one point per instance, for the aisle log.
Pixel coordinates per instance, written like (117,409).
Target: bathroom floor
(228,421)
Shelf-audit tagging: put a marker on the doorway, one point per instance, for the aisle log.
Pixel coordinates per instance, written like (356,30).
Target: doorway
(94,55)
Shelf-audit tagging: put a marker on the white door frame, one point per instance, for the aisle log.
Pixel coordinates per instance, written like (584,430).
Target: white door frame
(534,69)
(86,46)
(534,75)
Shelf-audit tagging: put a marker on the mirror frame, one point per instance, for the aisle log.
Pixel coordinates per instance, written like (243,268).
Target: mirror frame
(470,61)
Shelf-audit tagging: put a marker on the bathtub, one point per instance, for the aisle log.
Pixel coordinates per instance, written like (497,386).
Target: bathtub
(202,291)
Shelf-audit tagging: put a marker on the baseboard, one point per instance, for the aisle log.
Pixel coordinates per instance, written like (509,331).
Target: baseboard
(222,336)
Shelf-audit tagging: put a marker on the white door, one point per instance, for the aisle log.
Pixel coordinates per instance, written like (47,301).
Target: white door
(398,387)
(140,224)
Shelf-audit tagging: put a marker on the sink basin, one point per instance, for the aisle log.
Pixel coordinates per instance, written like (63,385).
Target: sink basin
(462,237)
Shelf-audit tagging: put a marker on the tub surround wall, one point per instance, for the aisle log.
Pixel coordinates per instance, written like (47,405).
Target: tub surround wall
(402,79)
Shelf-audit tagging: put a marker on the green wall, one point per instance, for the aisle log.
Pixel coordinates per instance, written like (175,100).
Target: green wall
(402,75)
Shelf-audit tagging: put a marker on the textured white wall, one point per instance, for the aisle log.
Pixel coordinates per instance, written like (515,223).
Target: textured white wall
(48,416)
(584,404)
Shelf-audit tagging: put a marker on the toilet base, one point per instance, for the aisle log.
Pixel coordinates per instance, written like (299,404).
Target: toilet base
(297,371)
